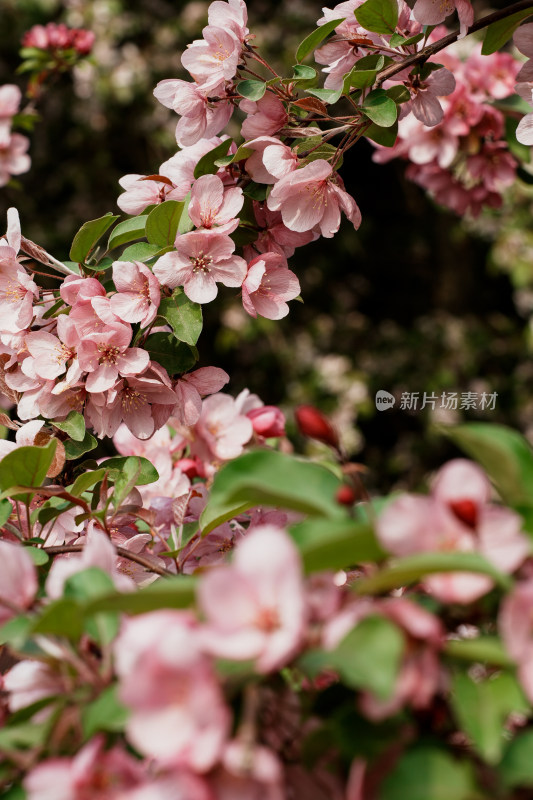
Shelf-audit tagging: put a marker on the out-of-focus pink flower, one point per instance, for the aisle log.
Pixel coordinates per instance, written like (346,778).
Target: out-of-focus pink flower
(221,430)
(267,287)
(515,624)
(214,207)
(18,580)
(267,421)
(424,101)
(457,517)
(59,37)
(255,607)
(190,389)
(30,681)
(10,96)
(178,715)
(433,12)
(201,260)
(138,295)
(14,159)
(248,772)
(265,116)
(313,195)
(523,40)
(93,772)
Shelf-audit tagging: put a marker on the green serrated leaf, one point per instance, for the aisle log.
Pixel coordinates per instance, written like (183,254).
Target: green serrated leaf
(73,425)
(175,356)
(500,32)
(312,41)
(378,16)
(88,235)
(184,316)
(206,165)
(380,108)
(127,231)
(252,90)
(162,223)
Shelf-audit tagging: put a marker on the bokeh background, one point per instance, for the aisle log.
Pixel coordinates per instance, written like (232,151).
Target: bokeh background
(416,301)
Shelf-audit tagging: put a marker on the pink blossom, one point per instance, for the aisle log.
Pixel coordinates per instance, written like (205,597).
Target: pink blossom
(107,355)
(210,550)
(221,430)
(265,116)
(212,206)
(202,259)
(232,15)
(214,58)
(49,354)
(313,195)
(10,96)
(190,389)
(248,772)
(180,168)
(75,290)
(267,287)
(30,681)
(97,552)
(516,629)
(424,101)
(142,192)
(523,40)
(267,421)
(201,116)
(93,772)
(17,293)
(271,160)
(274,236)
(433,12)
(18,580)
(14,159)
(138,295)
(255,607)
(524,131)
(178,715)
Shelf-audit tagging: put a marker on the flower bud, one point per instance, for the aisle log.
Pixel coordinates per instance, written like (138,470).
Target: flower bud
(267,421)
(345,496)
(314,424)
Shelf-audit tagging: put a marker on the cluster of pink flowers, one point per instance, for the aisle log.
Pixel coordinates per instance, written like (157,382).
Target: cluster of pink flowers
(463,160)
(14,159)
(57,37)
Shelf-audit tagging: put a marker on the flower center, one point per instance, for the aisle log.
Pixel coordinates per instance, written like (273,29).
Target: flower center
(201,263)
(108,354)
(132,399)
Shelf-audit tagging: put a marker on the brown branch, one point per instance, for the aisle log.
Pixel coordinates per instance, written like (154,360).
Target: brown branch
(432,49)
(121,551)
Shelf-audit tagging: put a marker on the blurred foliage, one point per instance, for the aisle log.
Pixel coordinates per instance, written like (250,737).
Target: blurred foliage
(416,301)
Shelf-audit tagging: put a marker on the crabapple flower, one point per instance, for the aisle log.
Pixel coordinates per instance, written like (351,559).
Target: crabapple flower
(232,15)
(267,287)
(222,429)
(178,715)
(516,629)
(255,607)
(138,296)
(190,389)
(202,259)
(523,40)
(265,116)
(267,421)
(248,771)
(10,96)
(107,355)
(201,117)
(142,192)
(18,579)
(214,58)
(271,160)
(213,207)
(433,12)
(180,168)
(524,131)
(424,101)
(313,196)
(30,681)
(14,158)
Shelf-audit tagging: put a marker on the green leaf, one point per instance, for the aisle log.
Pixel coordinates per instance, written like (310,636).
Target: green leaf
(503,453)
(127,231)
(60,618)
(176,357)
(327,96)
(86,481)
(162,223)
(88,585)
(482,707)
(126,479)
(5,511)
(364,72)
(380,108)
(378,16)
(206,165)
(26,466)
(186,224)
(266,477)
(106,713)
(241,154)
(16,631)
(257,191)
(516,768)
(312,41)
(482,649)
(184,316)
(252,90)
(369,656)
(15,792)
(411,569)
(397,40)
(325,151)
(27,734)
(335,543)
(74,449)
(38,556)
(500,32)
(176,592)
(303,73)
(428,773)
(88,235)
(144,251)
(73,425)
(147,473)
(399,93)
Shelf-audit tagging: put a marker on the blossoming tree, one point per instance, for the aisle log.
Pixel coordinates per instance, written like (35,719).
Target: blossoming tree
(206,615)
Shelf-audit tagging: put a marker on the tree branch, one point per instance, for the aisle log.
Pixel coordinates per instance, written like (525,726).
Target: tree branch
(121,551)
(432,49)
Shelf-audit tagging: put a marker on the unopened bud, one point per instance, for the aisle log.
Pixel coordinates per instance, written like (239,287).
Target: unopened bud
(345,496)
(267,421)
(314,424)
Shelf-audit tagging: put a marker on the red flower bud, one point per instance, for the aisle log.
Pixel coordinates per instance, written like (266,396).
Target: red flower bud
(345,496)
(267,421)
(314,424)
